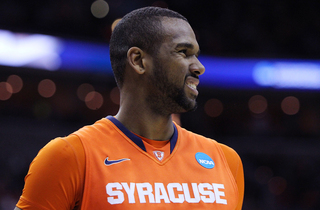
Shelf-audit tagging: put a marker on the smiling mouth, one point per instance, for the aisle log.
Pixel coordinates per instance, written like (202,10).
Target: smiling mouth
(192,83)
(192,86)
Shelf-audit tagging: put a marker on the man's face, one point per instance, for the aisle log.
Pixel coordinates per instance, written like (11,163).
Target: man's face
(176,69)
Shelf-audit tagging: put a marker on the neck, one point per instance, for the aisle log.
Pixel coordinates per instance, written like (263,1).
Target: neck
(143,121)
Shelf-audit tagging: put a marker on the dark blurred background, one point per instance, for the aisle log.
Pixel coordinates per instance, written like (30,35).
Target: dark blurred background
(275,131)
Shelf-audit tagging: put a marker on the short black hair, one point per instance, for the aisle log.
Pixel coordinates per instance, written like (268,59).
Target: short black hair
(140,28)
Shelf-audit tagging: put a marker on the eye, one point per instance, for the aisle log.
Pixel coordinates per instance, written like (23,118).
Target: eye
(183,51)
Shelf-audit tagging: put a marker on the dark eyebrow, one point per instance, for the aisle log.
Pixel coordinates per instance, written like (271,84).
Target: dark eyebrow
(187,45)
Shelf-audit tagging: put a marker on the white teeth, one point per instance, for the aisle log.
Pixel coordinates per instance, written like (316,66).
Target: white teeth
(192,86)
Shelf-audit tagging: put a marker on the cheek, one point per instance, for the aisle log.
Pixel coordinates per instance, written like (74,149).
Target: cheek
(175,71)
(178,69)
(181,73)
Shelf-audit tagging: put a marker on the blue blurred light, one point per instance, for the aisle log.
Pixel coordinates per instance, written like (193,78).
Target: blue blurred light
(80,56)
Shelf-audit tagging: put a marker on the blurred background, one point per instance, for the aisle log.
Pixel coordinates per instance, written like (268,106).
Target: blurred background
(260,93)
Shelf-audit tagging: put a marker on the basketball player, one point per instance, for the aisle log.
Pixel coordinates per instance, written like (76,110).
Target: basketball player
(139,158)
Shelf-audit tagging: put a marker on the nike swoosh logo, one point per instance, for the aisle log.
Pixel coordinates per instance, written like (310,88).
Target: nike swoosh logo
(111,162)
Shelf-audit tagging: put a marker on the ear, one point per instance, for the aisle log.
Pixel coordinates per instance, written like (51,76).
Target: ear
(136,59)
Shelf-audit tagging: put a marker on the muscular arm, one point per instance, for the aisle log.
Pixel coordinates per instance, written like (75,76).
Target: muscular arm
(55,176)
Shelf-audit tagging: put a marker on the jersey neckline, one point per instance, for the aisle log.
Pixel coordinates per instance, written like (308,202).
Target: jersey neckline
(137,140)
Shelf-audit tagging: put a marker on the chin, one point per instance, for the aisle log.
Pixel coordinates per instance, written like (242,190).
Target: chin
(195,106)
(184,102)
(190,107)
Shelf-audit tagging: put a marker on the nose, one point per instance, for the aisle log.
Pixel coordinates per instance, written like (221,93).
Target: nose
(196,67)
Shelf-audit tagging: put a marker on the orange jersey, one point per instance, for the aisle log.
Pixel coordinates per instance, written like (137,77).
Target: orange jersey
(118,170)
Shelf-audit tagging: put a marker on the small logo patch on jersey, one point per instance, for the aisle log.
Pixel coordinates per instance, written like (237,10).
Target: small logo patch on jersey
(159,155)
(204,160)
(111,162)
